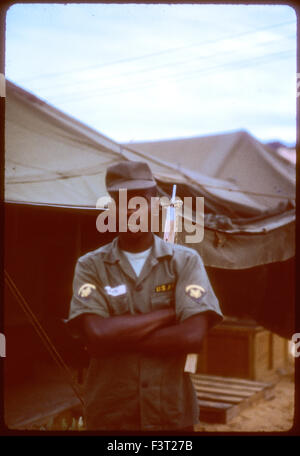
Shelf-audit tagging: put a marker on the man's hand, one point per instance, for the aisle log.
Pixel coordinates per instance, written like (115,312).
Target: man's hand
(182,338)
(122,333)
(155,333)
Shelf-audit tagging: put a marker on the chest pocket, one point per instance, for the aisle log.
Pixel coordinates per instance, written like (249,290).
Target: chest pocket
(118,305)
(162,300)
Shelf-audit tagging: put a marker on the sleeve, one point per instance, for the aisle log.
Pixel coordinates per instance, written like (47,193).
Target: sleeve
(88,296)
(194,293)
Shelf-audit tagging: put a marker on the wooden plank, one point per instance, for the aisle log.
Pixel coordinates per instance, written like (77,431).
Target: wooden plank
(237,382)
(262,393)
(233,380)
(218,397)
(211,389)
(227,397)
(228,386)
(214,405)
(231,388)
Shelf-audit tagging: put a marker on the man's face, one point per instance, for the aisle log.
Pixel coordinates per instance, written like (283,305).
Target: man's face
(133,211)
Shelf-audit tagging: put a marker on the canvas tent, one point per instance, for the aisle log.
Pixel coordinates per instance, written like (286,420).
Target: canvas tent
(261,184)
(237,158)
(54,174)
(248,189)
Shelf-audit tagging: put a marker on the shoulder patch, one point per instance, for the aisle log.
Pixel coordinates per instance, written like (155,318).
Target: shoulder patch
(86,289)
(195,291)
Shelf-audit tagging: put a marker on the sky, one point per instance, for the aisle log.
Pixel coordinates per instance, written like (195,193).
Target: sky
(139,72)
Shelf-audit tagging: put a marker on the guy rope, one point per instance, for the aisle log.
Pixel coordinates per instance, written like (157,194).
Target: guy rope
(44,336)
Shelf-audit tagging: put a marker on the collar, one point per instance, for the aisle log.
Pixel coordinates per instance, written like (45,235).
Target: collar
(160,249)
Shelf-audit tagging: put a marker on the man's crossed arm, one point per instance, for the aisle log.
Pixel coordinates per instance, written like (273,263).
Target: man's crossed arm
(155,333)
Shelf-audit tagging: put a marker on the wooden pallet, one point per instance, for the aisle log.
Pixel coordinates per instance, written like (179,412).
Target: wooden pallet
(222,398)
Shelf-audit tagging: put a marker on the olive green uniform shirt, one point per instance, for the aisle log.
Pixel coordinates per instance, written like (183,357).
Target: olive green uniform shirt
(137,391)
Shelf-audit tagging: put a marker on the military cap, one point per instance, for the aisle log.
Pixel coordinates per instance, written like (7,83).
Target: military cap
(132,175)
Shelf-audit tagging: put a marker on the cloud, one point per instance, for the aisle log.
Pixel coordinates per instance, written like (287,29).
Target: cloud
(154,71)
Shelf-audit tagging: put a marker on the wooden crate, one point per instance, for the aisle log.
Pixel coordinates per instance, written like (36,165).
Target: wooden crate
(221,398)
(241,349)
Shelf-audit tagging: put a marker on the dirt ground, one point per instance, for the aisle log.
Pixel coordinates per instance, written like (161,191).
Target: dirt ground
(275,414)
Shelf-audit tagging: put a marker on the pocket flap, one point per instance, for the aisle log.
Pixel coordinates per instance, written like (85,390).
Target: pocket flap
(118,305)
(162,300)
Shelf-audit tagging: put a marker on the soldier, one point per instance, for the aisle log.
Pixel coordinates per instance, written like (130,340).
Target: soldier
(141,304)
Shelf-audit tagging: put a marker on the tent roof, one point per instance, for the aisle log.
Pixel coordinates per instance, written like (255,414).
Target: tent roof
(45,146)
(236,157)
(52,158)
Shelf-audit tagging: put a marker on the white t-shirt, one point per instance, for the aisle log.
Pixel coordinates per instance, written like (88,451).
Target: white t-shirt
(137,260)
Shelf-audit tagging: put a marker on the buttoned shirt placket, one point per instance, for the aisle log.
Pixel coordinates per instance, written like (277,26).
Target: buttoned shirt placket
(149,374)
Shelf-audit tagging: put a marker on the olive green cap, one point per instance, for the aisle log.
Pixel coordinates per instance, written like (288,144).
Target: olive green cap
(132,175)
